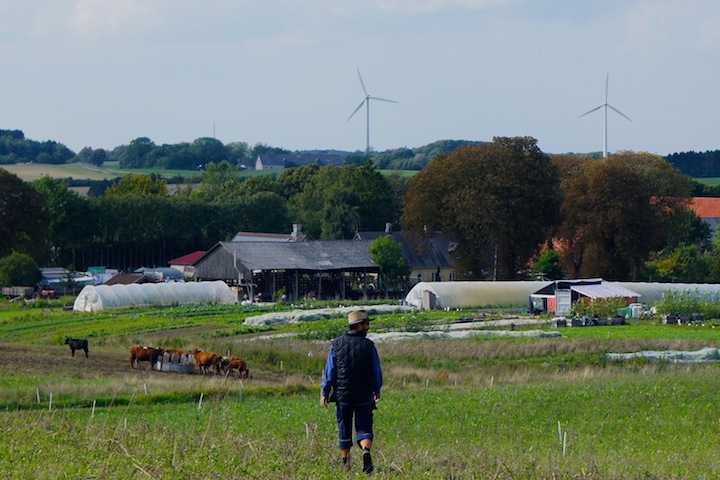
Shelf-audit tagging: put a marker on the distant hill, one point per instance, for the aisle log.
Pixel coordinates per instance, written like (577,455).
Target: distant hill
(15,148)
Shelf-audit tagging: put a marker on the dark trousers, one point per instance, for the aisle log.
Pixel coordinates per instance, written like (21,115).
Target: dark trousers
(363,416)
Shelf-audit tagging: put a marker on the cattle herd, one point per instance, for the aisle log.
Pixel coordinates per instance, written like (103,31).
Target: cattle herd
(206,362)
(172,359)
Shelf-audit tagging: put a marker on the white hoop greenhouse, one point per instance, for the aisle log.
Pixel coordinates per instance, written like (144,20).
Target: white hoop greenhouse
(107,297)
(426,295)
(472,294)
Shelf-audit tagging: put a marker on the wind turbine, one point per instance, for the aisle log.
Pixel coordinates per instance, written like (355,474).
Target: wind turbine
(605,105)
(366,102)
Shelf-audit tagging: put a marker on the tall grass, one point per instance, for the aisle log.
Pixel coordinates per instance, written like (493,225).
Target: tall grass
(687,302)
(500,408)
(639,425)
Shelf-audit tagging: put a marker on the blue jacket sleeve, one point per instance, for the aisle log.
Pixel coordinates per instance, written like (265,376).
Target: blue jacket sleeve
(329,374)
(377,371)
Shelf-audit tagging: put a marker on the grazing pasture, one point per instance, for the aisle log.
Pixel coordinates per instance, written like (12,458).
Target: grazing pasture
(500,408)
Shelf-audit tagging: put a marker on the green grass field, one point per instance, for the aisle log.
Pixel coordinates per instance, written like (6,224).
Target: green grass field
(111,170)
(712,181)
(495,408)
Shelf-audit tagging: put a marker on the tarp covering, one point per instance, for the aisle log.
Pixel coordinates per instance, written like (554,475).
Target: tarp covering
(106,297)
(604,290)
(474,294)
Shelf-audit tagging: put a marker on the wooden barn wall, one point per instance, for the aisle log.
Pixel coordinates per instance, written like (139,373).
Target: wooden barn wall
(217,265)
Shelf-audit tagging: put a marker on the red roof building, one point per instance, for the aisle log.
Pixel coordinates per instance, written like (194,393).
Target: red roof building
(707,208)
(186,263)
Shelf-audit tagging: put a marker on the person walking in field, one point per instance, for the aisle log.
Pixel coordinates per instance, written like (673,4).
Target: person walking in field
(353,379)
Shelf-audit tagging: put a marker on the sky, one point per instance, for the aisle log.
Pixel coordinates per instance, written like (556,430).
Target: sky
(100,73)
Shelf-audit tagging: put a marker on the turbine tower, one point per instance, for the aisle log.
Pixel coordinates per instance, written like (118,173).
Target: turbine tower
(605,105)
(366,102)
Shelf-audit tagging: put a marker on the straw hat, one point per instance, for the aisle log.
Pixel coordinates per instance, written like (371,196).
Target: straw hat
(358,316)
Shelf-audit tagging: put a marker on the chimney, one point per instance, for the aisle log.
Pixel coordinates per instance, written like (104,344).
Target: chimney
(296,232)
(388,227)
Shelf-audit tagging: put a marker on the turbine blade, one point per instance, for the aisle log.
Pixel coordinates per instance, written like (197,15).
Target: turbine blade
(618,111)
(362,83)
(590,111)
(382,99)
(356,110)
(607,83)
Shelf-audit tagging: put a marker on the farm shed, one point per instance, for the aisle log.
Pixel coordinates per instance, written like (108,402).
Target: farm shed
(106,297)
(559,296)
(472,294)
(321,269)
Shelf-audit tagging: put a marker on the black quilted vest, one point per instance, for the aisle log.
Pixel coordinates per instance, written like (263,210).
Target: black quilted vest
(355,381)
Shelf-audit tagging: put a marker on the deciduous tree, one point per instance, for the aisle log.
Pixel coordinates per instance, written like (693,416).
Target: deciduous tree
(23,219)
(500,200)
(617,211)
(394,270)
(71,224)
(19,269)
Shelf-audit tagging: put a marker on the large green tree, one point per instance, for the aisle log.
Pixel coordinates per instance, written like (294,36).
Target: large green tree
(500,200)
(71,224)
(23,218)
(394,270)
(219,182)
(335,202)
(134,155)
(617,211)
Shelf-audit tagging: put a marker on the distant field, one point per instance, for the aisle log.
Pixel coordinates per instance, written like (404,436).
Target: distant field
(110,170)
(712,181)
(35,171)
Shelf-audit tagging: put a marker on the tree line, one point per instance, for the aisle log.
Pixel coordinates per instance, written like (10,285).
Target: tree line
(142,152)
(514,211)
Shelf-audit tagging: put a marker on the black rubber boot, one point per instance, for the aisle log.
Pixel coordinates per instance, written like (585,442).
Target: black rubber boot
(368,466)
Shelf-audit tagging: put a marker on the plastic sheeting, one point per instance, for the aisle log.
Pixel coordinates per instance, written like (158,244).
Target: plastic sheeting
(517,293)
(651,293)
(473,294)
(107,297)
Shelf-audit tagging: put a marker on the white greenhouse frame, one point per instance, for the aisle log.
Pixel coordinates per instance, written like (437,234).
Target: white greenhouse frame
(109,297)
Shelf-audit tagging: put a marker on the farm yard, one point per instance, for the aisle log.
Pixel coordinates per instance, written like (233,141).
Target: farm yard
(500,406)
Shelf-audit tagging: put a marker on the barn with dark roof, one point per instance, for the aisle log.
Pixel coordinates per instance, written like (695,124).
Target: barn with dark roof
(331,269)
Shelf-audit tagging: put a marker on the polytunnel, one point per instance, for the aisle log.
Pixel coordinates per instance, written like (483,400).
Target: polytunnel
(651,293)
(516,293)
(472,294)
(107,297)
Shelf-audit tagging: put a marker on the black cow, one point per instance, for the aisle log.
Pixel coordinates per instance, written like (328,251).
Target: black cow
(77,344)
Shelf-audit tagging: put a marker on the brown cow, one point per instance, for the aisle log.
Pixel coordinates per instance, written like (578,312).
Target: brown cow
(170,352)
(234,364)
(207,361)
(144,354)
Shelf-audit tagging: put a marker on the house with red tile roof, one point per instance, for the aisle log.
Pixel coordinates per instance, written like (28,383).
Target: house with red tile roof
(708,208)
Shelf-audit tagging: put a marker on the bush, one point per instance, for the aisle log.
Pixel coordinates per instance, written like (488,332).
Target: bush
(19,269)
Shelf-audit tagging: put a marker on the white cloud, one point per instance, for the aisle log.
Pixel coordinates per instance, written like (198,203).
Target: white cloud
(659,27)
(435,5)
(108,17)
